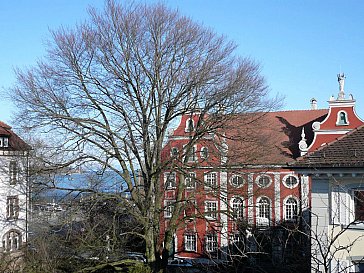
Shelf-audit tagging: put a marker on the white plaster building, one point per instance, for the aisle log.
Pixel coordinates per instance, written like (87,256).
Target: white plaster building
(336,168)
(14,156)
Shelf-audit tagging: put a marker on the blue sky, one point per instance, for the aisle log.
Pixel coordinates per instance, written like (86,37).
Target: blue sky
(301,45)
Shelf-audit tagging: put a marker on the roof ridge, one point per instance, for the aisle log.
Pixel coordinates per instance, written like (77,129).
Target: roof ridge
(302,110)
(4,125)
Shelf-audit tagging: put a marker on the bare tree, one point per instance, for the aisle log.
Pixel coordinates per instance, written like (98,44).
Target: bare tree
(109,90)
(336,235)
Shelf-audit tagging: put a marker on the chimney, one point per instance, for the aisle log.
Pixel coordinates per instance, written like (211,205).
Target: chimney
(313,104)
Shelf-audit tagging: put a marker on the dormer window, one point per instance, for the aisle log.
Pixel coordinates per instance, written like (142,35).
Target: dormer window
(174,152)
(4,141)
(190,126)
(342,118)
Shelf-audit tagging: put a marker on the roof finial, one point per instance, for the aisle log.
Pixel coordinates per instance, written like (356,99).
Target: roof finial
(302,145)
(341,79)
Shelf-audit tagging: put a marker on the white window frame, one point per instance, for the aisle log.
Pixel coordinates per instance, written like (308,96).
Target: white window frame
(193,157)
(12,207)
(237,176)
(173,155)
(261,176)
(211,242)
(210,180)
(338,118)
(263,210)
(190,242)
(12,240)
(168,208)
(289,208)
(187,128)
(4,141)
(288,176)
(190,177)
(235,208)
(169,184)
(211,208)
(202,153)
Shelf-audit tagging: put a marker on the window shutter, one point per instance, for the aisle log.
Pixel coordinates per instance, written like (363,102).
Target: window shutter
(340,207)
(344,206)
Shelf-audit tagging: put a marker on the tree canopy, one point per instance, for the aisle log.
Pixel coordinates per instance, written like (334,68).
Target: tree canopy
(109,89)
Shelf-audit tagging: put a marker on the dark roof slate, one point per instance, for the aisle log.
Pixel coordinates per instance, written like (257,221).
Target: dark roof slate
(346,151)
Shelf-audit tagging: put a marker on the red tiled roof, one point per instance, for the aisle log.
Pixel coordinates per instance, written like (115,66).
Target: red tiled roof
(346,151)
(15,142)
(4,125)
(272,138)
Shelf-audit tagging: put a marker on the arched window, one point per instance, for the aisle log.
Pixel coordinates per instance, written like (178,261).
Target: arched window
(263,211)
(237,208)
(190,126)
(342,118)
(291,209)
(12,240)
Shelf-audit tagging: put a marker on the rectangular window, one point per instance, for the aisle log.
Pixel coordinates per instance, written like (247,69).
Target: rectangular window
(211,180)
(170,180)
(168,208)
(4,141)
(12,207)
(211,242)
(291,209)
(359,205)
(191,155)
(211,209)
(190,181)
(13,172)
(190,242)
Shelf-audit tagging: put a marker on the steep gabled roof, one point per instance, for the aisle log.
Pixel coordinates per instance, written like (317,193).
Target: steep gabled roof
(347,151)
(15,142)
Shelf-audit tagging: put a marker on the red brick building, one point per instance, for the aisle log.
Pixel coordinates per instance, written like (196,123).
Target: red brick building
(241,176)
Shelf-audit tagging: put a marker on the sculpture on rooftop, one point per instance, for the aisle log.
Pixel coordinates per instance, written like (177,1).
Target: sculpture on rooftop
(341,79)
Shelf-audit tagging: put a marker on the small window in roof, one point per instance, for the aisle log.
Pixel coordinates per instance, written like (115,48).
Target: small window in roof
(204,153)
(342,118)
(4,141)
(174,152)
(190,126)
